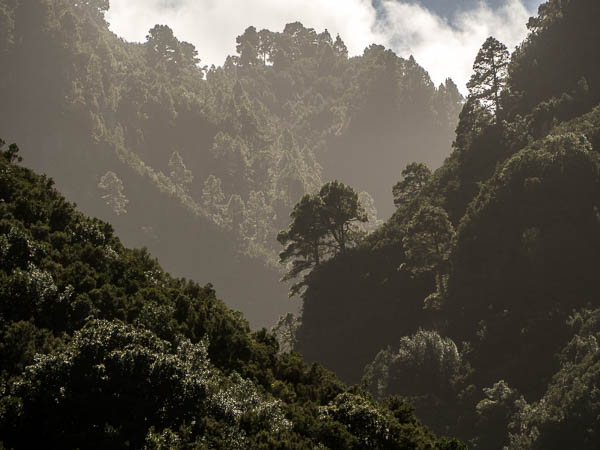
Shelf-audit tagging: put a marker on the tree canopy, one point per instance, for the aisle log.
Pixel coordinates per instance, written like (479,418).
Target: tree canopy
(489,74)
(414,177)
(100,347)
(503,240)
(322,225)
(285,112)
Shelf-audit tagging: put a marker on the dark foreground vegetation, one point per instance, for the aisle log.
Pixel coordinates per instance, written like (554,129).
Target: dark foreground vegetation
(101,348)
(479,298)
(476,302)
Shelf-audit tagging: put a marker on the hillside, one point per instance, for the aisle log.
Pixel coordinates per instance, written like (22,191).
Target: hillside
(102,348)
(478,298)
(203,165)
(471,311)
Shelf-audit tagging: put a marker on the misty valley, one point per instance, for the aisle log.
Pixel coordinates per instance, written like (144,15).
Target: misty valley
(301,247)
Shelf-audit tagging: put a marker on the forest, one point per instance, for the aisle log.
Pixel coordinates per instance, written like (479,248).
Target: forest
(477,299)
(101,348)
(438,249)
(203,165)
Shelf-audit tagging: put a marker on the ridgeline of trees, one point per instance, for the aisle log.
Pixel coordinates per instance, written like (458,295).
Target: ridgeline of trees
(478,300)
(203,165)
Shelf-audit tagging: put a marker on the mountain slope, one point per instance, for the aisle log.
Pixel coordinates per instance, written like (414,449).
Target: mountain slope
(492,258)
(100,347)
(141,135)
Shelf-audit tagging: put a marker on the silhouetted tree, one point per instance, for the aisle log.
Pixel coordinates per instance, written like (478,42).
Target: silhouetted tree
(304,240)
(489,74)
(11,153)
(428,239)
(164,50)
(341,210)
(322,224)
(414,177)
(265,45)
(247,47)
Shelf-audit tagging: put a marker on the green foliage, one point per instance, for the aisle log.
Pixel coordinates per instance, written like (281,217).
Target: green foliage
(489,75)
(10,154)
(360,418)
(285,332)
(340,210)
(323,224)
(424,363)
(165,51)
(567,412)
(426,369)
(99,347)
(395,429)
(414,177)
(556,55)
(494,413)
(545,244)
(428,240)
(305,238)
(502,240)
(278,118)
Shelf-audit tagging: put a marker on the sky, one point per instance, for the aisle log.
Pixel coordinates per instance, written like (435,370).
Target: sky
(443,35)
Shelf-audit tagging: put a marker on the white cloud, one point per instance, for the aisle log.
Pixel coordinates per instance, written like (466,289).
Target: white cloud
(449,50)
(444,50)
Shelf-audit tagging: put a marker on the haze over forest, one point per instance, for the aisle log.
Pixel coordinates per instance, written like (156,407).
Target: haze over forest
(232,153)
(361,224)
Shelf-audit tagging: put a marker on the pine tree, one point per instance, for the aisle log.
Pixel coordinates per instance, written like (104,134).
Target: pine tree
(489,75)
